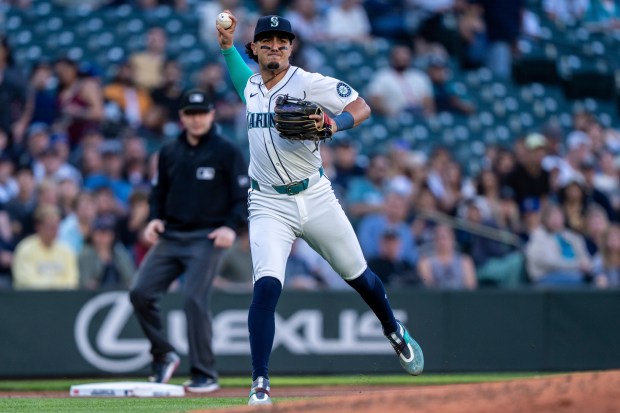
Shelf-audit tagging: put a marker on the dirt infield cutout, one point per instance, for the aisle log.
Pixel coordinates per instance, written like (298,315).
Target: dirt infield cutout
(575,393)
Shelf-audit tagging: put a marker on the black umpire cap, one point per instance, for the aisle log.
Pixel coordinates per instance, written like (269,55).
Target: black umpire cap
(273,24)
(196,100)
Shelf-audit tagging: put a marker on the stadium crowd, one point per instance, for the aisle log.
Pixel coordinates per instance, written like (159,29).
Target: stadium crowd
(79,151)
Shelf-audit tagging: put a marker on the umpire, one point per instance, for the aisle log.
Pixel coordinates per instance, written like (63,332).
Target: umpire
(197,203)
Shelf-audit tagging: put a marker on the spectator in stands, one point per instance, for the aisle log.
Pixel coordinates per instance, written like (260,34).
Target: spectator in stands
(555,255)
(393,217)
(80,101)
(445,267)
(90,142)
(104,262)
(445,180)
(365,194)
(498,200)
(21,208)
(41,101)
(530,217)
(112,174)
(423,224)
(573,203)
(346,163)
(76,227)
(213,80)
(131,225)
(503,27)
(400,87)
(68,190)
(565,12)
(606,264)
(307,21)
(107,203)
(591,193)
(528,178)
(607,179)
(235,270)
(147,65)
(494,254)
(596,223)
(153,128)
(319,267)
(445,96)
(348,21)
(50,165)
(168,95)
(135,162)
(12,90)
(504,163)
(133,101)
(579,146)
(389,264)
(41,261)
(472,33)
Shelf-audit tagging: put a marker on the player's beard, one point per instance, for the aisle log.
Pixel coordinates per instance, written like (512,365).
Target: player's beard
(273,65)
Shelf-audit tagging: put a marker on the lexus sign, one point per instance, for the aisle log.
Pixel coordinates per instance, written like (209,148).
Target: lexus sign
(301,333)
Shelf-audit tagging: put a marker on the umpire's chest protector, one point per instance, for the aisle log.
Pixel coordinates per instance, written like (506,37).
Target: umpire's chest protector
(199,177)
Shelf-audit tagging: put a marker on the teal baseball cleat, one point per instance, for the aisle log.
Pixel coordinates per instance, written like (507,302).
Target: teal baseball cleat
(408,350)
(259,393)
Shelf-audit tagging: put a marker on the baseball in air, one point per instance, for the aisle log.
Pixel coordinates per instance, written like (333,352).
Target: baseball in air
(223,20)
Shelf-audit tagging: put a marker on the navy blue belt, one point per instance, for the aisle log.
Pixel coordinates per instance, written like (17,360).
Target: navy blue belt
(292,188)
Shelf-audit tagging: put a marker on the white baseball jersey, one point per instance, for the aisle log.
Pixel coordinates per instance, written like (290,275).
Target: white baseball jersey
(277,161)
(314,214)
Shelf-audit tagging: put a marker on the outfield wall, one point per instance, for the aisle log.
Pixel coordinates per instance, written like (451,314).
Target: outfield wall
(86,334)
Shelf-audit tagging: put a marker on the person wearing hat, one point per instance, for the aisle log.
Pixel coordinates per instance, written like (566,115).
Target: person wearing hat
(196,204)
(291,197)
(529,178)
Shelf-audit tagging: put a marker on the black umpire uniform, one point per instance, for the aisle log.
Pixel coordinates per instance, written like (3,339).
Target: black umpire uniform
(199,188)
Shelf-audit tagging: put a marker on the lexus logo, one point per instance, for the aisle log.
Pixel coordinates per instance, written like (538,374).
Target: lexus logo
(110,353)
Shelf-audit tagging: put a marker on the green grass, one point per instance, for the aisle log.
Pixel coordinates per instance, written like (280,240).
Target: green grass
(424,380)
(114,405)
(173,405)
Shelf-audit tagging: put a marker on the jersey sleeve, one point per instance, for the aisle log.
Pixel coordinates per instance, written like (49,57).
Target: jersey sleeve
(332,94)
(240,73)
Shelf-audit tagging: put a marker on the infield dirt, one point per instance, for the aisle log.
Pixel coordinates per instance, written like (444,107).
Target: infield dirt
(574,393)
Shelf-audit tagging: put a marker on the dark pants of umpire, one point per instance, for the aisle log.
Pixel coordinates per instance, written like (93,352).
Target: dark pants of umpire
(193,255)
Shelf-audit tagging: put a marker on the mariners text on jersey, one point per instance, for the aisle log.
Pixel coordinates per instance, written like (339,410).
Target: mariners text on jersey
(260,120)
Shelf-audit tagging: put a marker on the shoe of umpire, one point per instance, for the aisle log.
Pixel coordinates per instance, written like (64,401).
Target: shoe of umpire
(201,384)
(408,350)
(259,393)
(164,368)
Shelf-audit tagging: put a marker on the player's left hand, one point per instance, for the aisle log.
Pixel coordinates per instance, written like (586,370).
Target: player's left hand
(223,237)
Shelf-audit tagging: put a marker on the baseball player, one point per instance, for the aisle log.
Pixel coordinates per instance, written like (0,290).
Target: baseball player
(197,203)
(290,196)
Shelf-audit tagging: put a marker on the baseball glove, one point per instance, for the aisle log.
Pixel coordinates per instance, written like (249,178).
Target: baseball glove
(293,122)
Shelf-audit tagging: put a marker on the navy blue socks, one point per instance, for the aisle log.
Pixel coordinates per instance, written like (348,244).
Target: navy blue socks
(370,287)
(262,323)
